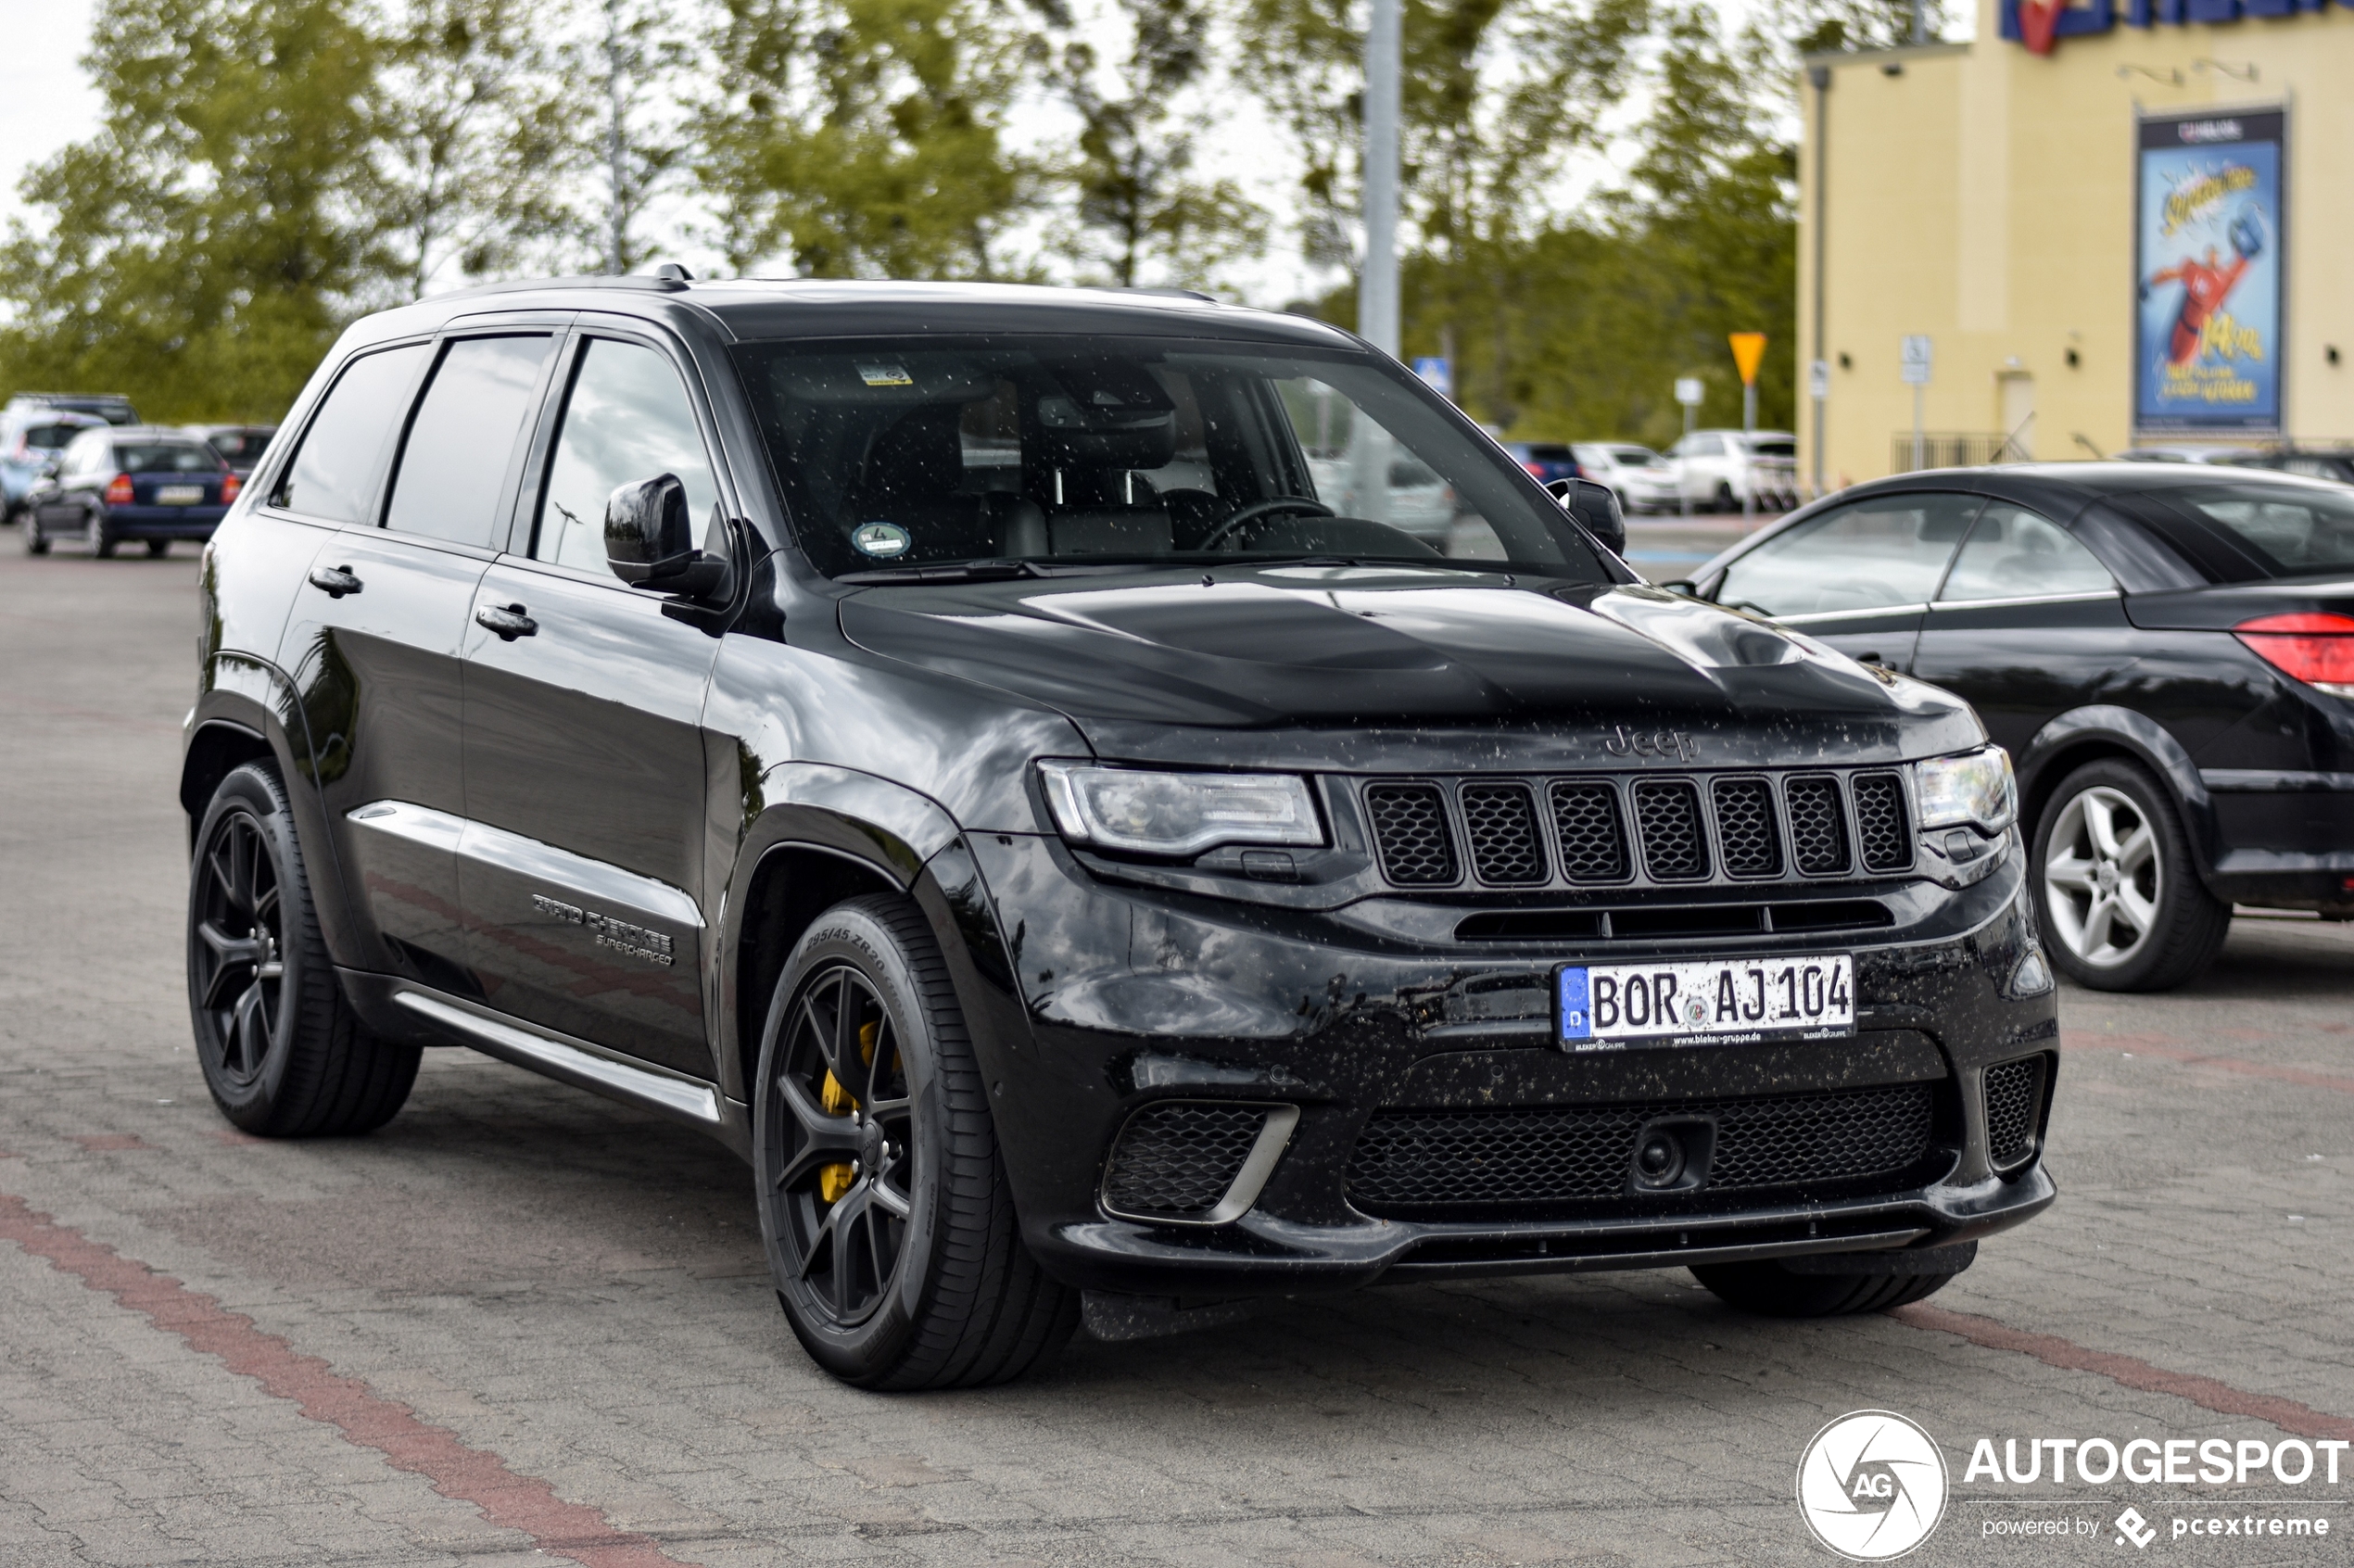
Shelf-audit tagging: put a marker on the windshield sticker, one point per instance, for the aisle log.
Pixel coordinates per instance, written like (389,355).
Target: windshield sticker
(885,376)
(882,540)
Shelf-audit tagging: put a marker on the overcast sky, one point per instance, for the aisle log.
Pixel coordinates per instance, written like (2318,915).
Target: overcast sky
(44,99)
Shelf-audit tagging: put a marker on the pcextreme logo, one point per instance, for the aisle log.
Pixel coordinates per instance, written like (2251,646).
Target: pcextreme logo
(1871,1485)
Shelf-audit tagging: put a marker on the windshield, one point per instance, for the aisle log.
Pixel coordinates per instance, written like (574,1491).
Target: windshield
(1051,450)
(2289,531)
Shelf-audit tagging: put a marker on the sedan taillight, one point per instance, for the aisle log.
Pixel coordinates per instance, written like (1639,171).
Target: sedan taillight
(2311,645)
(230,485)
(118,490)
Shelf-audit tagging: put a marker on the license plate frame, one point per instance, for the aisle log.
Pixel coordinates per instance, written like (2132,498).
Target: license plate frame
(1593,1005)
(180,495)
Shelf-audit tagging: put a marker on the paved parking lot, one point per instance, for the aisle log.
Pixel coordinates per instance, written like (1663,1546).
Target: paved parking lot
(523,1325)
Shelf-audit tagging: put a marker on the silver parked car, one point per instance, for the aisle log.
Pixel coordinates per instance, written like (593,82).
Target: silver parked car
(1644,480)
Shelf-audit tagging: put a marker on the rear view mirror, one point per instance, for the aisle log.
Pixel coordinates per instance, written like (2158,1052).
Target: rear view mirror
(649,545)
(1595,507)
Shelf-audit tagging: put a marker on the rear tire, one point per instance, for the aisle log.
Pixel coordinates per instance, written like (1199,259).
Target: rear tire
(1726,500)
(101,535)
(35,541)
(883,1201)
(2121,902)
(1768,1290)
(283,1053)
(159,549)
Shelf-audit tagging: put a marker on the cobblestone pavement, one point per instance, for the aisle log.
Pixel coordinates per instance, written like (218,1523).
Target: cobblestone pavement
(523,1325)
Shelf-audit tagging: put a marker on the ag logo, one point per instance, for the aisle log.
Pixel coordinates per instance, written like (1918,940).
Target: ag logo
(1871,1485)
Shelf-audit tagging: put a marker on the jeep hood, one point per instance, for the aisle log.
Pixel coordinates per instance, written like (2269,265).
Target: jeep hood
(1358,649)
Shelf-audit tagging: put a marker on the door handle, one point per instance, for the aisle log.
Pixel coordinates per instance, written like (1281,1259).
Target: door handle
(334,581)
(507,620)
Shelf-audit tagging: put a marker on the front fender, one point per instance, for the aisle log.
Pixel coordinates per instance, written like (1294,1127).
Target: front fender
(812,833)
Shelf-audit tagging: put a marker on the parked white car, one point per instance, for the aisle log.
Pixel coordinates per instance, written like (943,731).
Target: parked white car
(1717,469)
(1644,480)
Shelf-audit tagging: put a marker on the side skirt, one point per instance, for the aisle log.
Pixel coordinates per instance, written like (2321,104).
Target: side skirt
(412,1011)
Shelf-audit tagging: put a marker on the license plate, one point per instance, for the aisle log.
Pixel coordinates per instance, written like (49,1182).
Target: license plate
(1715,1001)
(180,495)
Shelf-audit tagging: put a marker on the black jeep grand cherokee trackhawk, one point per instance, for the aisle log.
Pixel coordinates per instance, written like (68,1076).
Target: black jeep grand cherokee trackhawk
(1114,804)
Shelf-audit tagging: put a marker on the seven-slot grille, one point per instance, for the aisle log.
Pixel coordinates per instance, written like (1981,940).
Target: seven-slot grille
(1664,830)
(1429,1161)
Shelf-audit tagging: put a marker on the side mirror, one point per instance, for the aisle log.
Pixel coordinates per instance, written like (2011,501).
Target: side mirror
(1684,585)
(1595,507)
(649,545)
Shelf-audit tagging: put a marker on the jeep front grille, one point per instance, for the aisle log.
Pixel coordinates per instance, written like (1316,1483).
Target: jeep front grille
(1670,829)
(1429,1162)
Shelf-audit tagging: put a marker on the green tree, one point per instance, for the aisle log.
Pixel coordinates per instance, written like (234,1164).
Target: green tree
(1139,203)
(476,139)
(203,247)
(864,137)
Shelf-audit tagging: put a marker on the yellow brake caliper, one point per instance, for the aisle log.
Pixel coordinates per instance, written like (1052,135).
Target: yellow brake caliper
(835,1180)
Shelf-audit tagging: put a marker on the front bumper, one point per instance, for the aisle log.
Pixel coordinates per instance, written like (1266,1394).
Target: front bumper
(1090,1002)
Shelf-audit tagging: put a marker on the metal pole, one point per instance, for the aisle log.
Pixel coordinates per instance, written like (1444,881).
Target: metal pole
(1918,392)
(1749,439)
(1683,486)
(1920,21)
(615,258)
(1820,75)
(1377,289)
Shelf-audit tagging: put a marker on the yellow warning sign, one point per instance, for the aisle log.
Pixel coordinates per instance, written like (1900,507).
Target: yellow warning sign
(1749,347)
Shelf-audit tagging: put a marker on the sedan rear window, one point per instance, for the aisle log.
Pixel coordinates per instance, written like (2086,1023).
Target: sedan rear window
(2288,532)
(167,457)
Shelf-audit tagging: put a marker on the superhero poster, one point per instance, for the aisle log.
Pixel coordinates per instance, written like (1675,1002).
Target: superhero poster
(2207,332)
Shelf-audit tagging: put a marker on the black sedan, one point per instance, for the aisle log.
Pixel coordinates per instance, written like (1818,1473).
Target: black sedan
(131,483)
(2167,652)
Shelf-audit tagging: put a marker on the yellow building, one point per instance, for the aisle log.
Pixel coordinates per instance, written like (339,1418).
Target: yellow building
(2095,239)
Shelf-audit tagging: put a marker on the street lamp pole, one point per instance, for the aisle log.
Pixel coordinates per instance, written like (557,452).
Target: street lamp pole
(1377,288)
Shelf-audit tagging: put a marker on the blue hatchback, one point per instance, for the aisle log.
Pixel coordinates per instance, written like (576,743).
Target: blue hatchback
(131,483)
(1546,460)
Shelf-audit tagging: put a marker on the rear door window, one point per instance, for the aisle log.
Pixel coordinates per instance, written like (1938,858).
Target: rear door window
(1868,555)
(452,480)
(332,475)
(2013,553)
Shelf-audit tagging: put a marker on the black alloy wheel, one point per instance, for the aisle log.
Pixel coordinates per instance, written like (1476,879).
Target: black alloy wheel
(282,1052)
(844,1187)
(884,1208)
(2122,905)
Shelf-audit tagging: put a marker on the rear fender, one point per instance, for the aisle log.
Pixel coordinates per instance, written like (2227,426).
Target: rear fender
(2084,734)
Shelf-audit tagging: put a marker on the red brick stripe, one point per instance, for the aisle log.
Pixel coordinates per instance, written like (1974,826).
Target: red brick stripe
(2303,1420)
(2143,1046)
(363,1416)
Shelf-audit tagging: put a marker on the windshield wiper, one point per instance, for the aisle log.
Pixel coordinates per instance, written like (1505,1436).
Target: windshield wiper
(945,572)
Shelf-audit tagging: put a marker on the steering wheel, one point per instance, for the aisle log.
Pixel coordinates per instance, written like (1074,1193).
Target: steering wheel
(1258,510)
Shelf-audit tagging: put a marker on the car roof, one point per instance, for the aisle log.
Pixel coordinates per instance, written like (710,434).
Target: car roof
(752,309)
(2059,489)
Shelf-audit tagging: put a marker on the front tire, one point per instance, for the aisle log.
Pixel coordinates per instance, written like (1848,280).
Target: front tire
(883,1201)
(35,541)
(2121,901)
(282,1052)
(159,549)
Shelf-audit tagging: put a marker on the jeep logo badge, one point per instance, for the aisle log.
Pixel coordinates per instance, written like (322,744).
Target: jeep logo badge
(1674,743)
